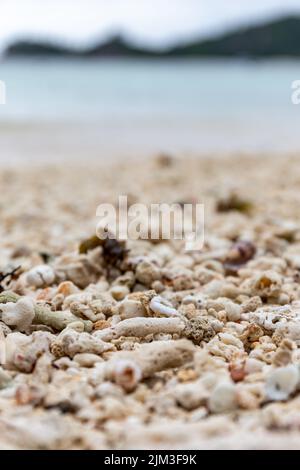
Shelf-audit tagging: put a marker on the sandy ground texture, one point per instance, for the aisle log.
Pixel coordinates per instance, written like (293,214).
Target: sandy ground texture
(140,344)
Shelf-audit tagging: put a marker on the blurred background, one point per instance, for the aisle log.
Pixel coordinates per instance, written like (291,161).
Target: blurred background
(110,78)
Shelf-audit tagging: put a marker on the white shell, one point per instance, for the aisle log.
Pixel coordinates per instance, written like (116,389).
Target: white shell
(282,382)
(161,306)
(40,276)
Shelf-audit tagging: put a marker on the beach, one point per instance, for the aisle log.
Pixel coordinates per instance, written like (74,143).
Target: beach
(150,229)
(145,345)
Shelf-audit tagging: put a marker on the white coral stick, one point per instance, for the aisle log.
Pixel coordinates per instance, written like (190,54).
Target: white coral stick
(141,327)
(156,356)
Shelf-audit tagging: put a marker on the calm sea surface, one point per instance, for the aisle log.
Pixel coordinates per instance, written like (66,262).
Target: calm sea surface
(183,105)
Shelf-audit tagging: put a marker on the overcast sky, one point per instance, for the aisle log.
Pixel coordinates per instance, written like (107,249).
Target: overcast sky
(152,22)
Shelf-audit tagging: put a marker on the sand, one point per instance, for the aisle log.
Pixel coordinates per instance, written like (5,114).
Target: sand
(221,373)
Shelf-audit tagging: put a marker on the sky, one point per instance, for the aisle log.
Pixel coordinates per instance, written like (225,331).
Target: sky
(153,23)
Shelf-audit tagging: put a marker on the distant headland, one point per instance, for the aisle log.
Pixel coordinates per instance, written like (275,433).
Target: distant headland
(277,38)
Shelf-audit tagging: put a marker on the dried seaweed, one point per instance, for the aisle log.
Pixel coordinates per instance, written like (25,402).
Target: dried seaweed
(234,203)
(14,274)
(113,251)
(46,257)
(90,244)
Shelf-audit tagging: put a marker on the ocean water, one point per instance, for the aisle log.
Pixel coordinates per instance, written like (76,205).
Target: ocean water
(177,105)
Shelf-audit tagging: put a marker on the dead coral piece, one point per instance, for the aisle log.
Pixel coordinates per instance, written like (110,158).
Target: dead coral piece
(127,374)
(57,320)
(284,353)
(19,314)
(69,343)
(223,398)
(9,296)
(191,395)
(147,272)
(22,352)
(199,329)
(44,316)
(157,356)
(267,284)
(142,327)
(82,270)
(42,275)
(282,382)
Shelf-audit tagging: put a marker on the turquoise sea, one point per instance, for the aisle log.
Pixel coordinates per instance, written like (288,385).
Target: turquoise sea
(159,105)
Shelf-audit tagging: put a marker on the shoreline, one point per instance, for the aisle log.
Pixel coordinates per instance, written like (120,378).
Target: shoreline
(69,142)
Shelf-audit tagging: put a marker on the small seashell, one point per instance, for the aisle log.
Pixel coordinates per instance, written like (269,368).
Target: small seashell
(282,382)
(240,253)
(161,306)
(40,276)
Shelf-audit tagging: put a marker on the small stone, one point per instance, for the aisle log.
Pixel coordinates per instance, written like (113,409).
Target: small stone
(87,359)
(119,292)
(130,308)
(223,398)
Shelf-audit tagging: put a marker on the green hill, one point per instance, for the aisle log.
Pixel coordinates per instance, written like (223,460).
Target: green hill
(278,38)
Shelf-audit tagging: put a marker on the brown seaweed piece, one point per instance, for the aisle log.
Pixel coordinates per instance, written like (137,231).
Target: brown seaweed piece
(234,202)
(90,244)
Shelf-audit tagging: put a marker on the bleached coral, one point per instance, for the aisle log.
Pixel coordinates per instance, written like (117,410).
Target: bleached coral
(19,315)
